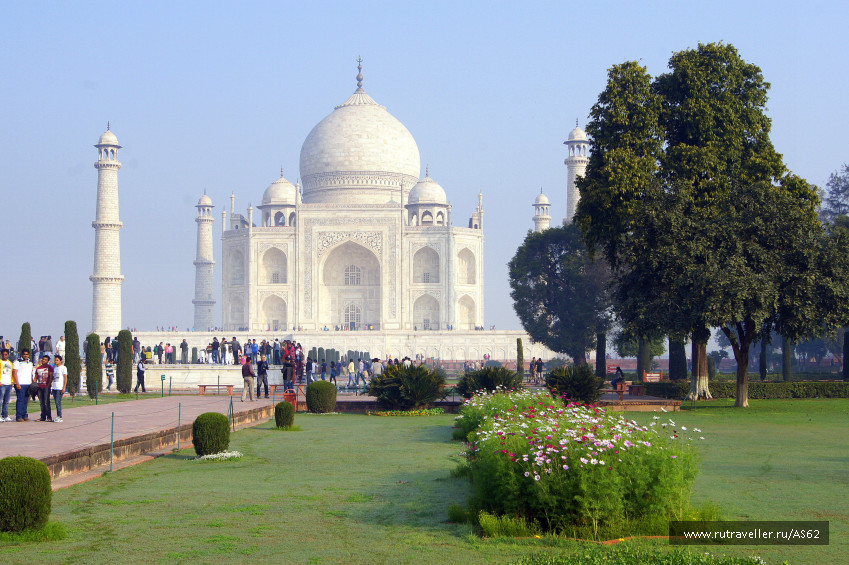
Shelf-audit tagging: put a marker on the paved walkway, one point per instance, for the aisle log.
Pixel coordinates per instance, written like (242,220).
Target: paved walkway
(91,425)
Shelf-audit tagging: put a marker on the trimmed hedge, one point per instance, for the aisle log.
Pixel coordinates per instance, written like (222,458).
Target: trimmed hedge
(25,494)
(211,433)
(488,378)
(124,374)
(93,368)
(757,390)
(72,357)
(284,415)
(577,383)
(321,397)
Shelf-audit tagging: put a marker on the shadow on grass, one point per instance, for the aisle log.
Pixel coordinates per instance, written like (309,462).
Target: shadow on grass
(179,457)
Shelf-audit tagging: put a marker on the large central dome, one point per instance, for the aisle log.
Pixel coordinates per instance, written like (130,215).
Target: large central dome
(359,154)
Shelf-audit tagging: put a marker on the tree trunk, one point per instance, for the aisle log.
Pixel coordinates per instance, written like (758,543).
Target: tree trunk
(643,357)
(601,355)
(699,388)
(763,361)
(742,357)
(677,360)
(579,360)
(846,355)
(786,359)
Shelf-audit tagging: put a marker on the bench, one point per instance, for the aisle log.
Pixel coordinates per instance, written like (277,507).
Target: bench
(300,389)
(202,388)
(619,390)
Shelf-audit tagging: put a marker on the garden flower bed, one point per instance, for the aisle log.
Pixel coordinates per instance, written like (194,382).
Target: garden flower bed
(574,468)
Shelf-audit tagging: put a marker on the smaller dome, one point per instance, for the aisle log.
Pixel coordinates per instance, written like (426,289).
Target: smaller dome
(427,191)
(280,193)
(577,134)
(541,199)
(108,138)
(205,200)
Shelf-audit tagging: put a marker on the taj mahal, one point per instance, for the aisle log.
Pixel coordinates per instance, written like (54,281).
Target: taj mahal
(362,253)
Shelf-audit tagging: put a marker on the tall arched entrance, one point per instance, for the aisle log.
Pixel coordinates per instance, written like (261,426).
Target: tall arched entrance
(349,290)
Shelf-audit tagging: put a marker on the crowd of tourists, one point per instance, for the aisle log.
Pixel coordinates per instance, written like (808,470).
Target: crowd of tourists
(46,381)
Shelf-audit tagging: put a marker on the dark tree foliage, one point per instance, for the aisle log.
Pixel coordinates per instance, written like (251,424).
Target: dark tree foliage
(72,357)
(559,292)
(93,370)
(124,373)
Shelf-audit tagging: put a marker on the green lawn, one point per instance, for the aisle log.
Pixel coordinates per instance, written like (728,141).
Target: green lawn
(360,489)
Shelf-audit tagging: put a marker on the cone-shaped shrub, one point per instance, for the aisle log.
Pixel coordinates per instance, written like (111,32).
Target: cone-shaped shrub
(211,433)
(25,342)
(321,397)
(93,371)
(284,415)
(25,494)
(488,378)
(72,357)
(125,362)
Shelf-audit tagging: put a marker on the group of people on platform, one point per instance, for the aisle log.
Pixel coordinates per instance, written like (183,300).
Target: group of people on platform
(46,380)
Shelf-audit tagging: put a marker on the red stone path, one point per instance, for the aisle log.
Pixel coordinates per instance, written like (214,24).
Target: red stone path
(91,425)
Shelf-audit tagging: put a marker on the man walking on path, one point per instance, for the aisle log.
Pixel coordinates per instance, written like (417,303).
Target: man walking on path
(248,377)
(140,369)
(262,375)
(136,349)
(60,382)
(44,381)
(6,368)
(184,352)
(22,372)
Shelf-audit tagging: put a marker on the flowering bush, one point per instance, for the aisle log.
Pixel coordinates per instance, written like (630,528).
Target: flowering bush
(422,412)
(223,456)
(485,405)
(577,468)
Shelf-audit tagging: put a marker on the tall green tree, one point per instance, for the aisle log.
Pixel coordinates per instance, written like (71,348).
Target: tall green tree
(25,341)
(559,292)
(836,198)
(713,232)
(124,373)
(72,357)
(93,369)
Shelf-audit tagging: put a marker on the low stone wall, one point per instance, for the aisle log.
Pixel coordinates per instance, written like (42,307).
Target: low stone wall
(88,458)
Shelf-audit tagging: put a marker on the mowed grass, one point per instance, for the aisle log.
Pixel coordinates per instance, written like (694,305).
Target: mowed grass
(360,489)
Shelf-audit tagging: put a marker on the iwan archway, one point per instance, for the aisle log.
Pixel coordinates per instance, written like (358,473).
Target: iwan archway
(349,289)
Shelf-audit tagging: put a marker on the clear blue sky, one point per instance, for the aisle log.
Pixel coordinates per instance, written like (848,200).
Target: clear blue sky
(220,95)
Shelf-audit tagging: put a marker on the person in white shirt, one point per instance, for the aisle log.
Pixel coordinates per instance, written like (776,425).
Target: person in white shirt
(6,368)
(60,383)
(22,372)
(60,347)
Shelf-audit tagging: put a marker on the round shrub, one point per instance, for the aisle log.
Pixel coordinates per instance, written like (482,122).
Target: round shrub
(488,378)
(284,415)
(211,433)
(321,397)
(25,494)
(405,388)
(576,383)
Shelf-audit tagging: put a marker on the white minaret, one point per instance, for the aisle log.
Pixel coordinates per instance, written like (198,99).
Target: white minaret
(542,218)
(204,267)
(576,165)
(107,278)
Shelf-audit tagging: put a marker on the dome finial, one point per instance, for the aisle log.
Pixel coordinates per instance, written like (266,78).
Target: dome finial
(281,171)
(359,73)
(427,170)
(576,122)
(107,125)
